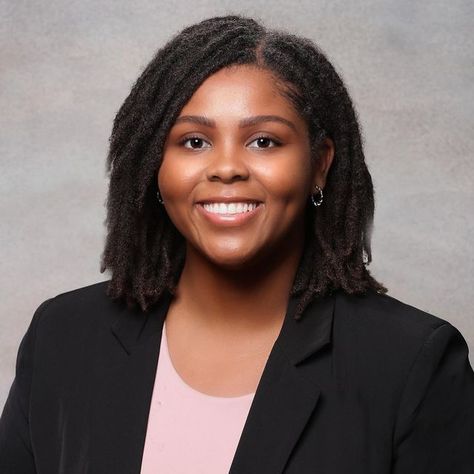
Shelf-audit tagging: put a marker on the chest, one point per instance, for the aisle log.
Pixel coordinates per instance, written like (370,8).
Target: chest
(229,366)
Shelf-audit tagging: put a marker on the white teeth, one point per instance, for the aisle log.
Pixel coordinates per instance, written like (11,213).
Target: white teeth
(230,208)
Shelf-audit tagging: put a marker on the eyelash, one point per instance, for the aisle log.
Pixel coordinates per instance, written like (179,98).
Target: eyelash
(277,143)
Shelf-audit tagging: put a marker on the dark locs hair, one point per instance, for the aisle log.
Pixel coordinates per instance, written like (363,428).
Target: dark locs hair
(145,251)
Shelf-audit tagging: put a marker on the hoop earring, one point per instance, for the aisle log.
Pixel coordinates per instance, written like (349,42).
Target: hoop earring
(320,199)
(159,197)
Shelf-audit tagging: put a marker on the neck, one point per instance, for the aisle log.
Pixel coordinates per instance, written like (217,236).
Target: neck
(247,299)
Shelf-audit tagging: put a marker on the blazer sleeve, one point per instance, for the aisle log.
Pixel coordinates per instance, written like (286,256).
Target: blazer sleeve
(434,430)
(16,451)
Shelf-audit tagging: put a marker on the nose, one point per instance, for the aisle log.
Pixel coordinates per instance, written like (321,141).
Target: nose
(227,164)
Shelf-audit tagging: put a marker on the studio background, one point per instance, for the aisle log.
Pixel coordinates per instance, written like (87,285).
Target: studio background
(66,67)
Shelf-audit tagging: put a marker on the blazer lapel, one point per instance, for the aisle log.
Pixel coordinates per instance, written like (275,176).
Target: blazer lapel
(124,390)
(286,395)
(288,391)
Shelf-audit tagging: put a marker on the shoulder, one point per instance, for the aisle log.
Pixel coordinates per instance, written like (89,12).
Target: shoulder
(86,307)
(85,295)
(380,336)
(64,325)
(381,315)
(398,359)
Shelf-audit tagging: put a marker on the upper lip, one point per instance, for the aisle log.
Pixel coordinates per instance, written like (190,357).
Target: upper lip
(215,199)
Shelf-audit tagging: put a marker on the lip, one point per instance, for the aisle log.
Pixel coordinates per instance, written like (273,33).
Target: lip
(231,220)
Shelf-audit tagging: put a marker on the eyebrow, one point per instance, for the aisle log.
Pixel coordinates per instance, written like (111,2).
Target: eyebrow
(246,122)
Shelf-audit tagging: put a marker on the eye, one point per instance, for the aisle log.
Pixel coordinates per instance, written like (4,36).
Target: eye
(264,141)
(195,142)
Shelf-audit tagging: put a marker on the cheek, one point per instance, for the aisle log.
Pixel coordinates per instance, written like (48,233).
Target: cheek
(176,179)
(284,181)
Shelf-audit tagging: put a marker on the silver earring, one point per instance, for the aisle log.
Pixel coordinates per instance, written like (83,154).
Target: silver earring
(320,199)
(159,197)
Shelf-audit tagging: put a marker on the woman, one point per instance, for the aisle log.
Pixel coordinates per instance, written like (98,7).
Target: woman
(241,330)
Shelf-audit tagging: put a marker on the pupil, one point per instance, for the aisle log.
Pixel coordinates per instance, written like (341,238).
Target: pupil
(196,141)
(263,140)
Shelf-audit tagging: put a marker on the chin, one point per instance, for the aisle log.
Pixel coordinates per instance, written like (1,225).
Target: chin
(233,260)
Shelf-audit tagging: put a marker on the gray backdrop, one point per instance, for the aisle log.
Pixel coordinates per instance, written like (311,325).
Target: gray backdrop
(66,66)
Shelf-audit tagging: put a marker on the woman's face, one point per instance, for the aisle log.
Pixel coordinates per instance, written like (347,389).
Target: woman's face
(238,143)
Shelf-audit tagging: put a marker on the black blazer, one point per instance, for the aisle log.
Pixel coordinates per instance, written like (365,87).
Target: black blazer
(360,385)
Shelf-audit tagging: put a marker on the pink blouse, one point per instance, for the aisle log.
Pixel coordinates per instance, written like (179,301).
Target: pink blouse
(190,432)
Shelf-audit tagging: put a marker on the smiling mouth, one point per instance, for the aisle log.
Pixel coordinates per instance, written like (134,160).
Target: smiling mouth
(229,214)
(231,208)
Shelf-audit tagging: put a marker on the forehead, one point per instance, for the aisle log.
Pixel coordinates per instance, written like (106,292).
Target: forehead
(240,89)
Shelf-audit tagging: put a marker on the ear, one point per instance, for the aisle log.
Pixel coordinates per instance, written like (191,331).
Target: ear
(323,162)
